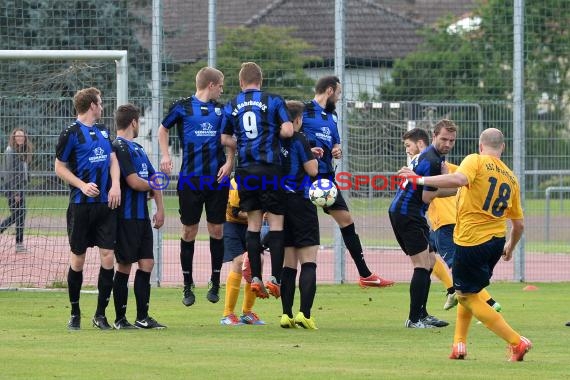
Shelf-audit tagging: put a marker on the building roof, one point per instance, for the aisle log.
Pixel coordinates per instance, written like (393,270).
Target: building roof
(375,29)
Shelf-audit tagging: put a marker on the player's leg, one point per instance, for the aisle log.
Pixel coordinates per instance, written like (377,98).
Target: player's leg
(216,202)
(340,213)
(234,246)
(288,278)
(105,232)
(307,285)
(274,201)
(78,235)
(125,253)
(191,204)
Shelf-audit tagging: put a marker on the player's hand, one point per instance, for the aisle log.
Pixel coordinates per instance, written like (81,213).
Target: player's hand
(114,197)
(166,164)
(336,152)
(224,172)
(90,189)
(158,219)
(406,172)
(508,251)
(317,152)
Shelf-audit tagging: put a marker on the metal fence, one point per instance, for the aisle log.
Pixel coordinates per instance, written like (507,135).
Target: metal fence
(402,64)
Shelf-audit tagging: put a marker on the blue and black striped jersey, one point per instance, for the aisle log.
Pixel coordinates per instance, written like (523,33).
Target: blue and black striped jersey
(255,118)
(200,135)
(132,159)
(321,130)
(87,152)
(295,152)
(408,201)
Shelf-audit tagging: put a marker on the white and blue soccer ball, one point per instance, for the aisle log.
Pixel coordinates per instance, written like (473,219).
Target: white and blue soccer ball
(323,193)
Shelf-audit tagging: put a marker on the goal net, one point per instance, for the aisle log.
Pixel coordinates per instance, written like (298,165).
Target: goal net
(36,94)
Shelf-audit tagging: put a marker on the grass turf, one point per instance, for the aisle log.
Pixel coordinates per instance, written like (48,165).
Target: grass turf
(361,335)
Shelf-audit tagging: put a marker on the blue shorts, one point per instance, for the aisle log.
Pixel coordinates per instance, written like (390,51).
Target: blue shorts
(444,244)
(473,266)
(234,240)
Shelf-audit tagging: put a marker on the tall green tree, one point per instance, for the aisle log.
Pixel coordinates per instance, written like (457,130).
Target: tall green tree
(280,56)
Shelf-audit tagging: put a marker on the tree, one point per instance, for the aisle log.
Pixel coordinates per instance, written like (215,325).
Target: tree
(278,53)
(37,94)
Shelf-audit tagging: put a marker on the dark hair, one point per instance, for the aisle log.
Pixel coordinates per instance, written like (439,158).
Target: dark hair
(444,123)
(125,114)
(83,99)
(326,82)
(416,134)
(295,109)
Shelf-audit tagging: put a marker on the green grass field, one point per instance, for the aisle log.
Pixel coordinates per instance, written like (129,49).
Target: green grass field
(361,335)
(359,206)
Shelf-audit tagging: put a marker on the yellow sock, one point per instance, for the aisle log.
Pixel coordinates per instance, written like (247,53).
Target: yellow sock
(462,324)
(248,299)
(441,271)
(232,292)
(484,294)
(490,318)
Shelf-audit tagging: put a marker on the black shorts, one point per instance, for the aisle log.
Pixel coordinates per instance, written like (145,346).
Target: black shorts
(234,240)
(412,232)
(193,195)
(473,266)
(90,225)
(259,188)
(301,222)
(339,203)
(134,241)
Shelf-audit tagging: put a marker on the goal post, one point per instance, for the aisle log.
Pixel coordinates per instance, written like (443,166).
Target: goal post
(120,57)
(36,91)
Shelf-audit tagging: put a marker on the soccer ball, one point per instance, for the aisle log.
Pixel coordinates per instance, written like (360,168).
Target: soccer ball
(323,193)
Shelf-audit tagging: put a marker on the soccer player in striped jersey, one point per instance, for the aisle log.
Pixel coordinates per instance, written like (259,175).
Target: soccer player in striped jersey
(415,141)
(489,194)
(320,127)
(204,168)
(407,216)
(134,231)
(258,120)
(85,160)
(302,238)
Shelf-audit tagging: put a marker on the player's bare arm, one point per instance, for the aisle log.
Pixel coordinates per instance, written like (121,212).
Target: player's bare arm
(517,228)
(62,171)
(165,160)
(114,197)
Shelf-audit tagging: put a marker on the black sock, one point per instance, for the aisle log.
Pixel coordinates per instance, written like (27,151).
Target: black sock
(352,243)
(217,258)
(491,302)
(105,286)
(308,287)
(450,290)
(120,294)
(417,293)
(288,276)
(424,313)
(277,253)
(253,246)
(74,283)
(186,260)
(142,293)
